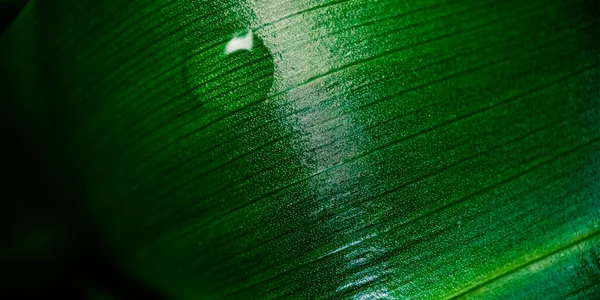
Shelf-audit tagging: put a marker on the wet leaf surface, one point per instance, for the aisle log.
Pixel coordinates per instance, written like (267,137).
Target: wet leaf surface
(392,149)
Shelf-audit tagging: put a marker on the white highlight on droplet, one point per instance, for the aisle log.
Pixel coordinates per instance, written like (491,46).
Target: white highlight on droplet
(240,42)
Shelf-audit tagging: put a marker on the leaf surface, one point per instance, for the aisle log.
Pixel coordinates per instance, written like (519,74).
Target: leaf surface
(391,149)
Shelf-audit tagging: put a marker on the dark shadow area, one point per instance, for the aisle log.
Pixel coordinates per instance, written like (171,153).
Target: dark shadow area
(9,10)
(49,247)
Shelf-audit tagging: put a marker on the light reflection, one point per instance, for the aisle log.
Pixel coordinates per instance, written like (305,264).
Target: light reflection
(367,279)
(240,41)
(326,138)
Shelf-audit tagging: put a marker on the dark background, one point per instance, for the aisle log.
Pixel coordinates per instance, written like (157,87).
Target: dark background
(48,246)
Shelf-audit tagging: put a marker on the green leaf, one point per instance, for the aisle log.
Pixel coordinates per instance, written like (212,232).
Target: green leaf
(392,149)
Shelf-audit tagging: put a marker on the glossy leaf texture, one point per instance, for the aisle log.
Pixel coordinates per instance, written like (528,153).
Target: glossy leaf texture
(419,149)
